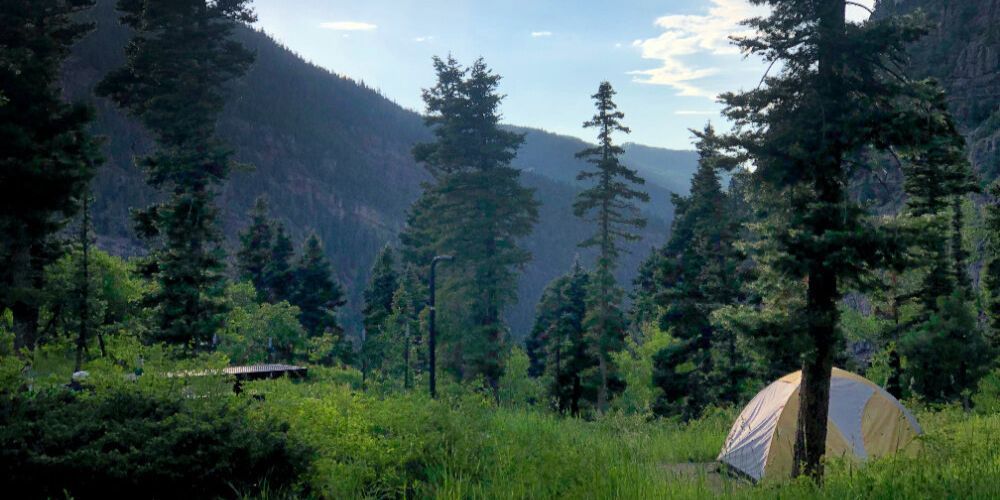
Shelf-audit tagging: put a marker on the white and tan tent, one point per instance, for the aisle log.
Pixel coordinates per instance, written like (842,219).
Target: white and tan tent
(865,421)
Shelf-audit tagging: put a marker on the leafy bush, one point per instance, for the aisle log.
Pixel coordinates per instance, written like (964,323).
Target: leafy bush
(636,365)
(252,332)
(987,398)
(370,447)
(517,388)
(135,443)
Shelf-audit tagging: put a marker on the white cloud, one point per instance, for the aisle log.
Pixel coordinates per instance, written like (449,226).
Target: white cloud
(348,26)
(540,34)
(422,39)
(858,14)
(690,43)
(693,35)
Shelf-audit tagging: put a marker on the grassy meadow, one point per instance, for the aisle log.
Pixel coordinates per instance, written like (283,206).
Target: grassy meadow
(463,446)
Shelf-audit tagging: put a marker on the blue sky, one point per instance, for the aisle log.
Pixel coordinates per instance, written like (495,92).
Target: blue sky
(667,59)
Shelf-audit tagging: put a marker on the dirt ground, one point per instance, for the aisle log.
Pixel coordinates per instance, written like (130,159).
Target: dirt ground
(708,472)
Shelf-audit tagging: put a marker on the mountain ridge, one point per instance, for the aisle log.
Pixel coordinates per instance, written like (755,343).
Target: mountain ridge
(333,156)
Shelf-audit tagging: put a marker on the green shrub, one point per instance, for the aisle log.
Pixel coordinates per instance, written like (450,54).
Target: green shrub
(139,444)
(987,398)
(517,388)
(372,447)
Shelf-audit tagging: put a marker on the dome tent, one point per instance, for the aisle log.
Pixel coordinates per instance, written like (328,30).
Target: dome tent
(865,421)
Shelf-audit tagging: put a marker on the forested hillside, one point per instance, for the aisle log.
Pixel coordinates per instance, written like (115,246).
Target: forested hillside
(227,272)
(334,156)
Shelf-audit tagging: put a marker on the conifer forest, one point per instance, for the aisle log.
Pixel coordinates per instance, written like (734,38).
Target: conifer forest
(229,270)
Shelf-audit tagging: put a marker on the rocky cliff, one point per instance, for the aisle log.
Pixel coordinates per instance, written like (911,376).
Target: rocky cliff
(962,51)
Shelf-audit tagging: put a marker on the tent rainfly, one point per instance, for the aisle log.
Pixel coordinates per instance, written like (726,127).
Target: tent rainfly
(865,421)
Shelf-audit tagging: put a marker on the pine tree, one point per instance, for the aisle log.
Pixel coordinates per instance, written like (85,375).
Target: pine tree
(991,278)
(476,210)
(698,275)
(177,66)
(316,293)
(944,331)
(557,346)
(47,156)
(610,205)
(255,247)
(378,296)
(839,95)
(400,330)
(279,274)
(644,311)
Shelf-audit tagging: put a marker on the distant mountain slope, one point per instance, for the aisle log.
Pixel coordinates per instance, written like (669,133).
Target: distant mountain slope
(666,171)
(334,156)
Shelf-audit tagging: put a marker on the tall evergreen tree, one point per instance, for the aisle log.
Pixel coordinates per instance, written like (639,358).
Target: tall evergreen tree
(698,275)
(991,273)
(400,330)
(255,247)
(839,93)
(47,156)
(557,346)
(476,209)
(378,296)
(944,335)
(316,293)
(279,274)
(610,205)
(938,176)
(177,65)
(644,311)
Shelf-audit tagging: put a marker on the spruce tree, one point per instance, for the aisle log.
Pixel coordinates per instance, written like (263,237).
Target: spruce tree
(476,209)
(279,273)
(316,293)
(378,297)
(610,205)
(400,331)
(255,247)
(47,156)
(838,95)
(698,275)
(991,273)
(558,347)
(944,335)
(177,66)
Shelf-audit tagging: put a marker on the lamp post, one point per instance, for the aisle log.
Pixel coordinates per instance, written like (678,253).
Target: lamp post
(432,338)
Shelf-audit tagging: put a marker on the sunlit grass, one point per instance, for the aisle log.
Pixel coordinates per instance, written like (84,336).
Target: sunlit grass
(465,448)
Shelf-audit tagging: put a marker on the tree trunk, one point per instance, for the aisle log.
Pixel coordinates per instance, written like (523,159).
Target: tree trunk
(817,368)
(602,363)
(957,250)
(24,306)
(894,384)
(822,293)
(81,341)
(602,391)
(575,397)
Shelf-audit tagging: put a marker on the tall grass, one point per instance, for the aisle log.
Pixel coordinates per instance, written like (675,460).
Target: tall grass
(464,447)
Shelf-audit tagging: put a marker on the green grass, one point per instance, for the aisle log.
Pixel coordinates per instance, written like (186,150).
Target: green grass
(463,447)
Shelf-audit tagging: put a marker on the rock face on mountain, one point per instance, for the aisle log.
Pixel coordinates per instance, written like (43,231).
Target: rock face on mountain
(333,156)
(962,51)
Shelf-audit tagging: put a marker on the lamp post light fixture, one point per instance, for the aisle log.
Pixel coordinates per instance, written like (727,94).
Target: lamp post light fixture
(432,338)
